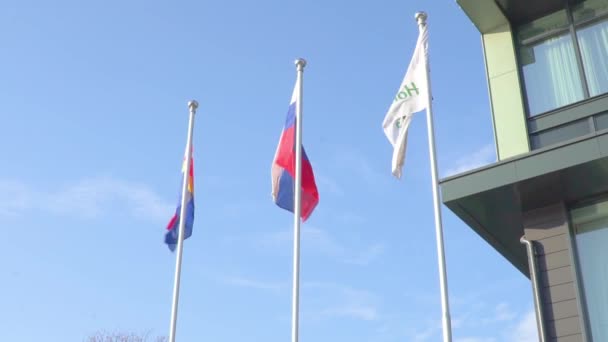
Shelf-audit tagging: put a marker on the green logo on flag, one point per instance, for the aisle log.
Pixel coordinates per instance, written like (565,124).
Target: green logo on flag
(398,122)
(407,92)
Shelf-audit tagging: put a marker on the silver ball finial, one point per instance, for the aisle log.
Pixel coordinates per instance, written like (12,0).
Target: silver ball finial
(421,17)
(192,104)
(300,63)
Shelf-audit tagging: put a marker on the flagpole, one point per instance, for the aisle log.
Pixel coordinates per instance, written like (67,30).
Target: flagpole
(443,282)
(192,105)
(295,304)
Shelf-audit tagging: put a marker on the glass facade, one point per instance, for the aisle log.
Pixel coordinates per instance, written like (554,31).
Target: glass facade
(561,133)
(564,56)
(590,225)
(593,41)
(601,121)
(549,65)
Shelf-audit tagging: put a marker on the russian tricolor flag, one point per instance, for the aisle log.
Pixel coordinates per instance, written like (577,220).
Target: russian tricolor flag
(171,236)
(283,169)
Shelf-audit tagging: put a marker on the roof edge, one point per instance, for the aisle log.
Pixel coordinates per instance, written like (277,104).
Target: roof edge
(486,15)
(480,229)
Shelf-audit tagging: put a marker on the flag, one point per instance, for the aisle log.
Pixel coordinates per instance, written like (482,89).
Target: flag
(171,236)
(283,169)
(410,99)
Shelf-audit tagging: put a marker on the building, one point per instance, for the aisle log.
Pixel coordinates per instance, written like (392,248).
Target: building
(547,70)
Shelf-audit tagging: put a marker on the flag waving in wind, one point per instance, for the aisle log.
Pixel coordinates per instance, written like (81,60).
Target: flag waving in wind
(284,168)
(171,236)
(409,99)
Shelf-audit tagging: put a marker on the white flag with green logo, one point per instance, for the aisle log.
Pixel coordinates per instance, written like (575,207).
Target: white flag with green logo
(410,98)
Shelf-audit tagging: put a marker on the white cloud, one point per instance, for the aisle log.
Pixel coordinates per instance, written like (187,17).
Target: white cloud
(332,300)
(87,198)
(526,329)
(361,312)
(327,184)
(501,313)
(481,157)
(474,339)
(349,218)
(504,313)
(362,256)
(343,290)
(368,255)
(343,301)
(254,283)
(348,160)
(14,197)
(322,242)
(477,319)
(427,333)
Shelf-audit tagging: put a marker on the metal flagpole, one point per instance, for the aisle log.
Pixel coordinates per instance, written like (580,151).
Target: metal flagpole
(300,64)
(443,282)
(192,105)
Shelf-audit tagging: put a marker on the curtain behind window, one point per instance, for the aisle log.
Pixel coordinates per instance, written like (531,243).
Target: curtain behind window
(551,74)
(593,41)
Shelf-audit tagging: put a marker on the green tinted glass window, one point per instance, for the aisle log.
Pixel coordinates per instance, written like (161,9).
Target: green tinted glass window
(601,121)
(593,43)
(547,56)
(553,22)
(589,10)
(590,225)
(560,134)
(551,74)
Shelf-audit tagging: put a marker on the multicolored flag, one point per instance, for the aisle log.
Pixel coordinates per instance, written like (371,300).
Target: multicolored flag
(171,236)
(283,169)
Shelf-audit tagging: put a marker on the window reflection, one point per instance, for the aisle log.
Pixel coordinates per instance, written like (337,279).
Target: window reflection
(590,225)
(593,41)
(551,75)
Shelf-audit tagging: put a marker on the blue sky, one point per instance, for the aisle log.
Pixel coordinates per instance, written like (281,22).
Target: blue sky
(93,103)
